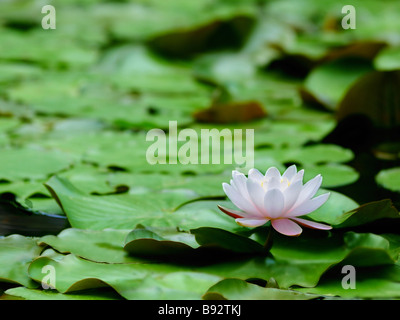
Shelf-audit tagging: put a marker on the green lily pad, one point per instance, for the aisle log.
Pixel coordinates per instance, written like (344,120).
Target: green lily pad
(53,50)
(201,185)
(132,280)
(369,249)
(334,175)
(114,211)
(380,283)
(202,243)
(335,209)
(142,242)
(16,253)
(17,71)
(314,154)
(42,163)
(292,134)
(388,59)
(389,179)
(96,245)
(236,289)
(225,68)
(329,82)
(366,213)
(37,294)
(197,214)
(24,189)
(292,263)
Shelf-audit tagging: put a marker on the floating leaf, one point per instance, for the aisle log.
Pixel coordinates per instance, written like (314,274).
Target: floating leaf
(53,50)
(114,211)
(201,185)
(146,243)
(37,294)
(42,163)
(235,289)
(388,59)
(334,175)
(101,246)
(368,249)
(389,178)
(366,213)
(314,154)
(132,280)
(329,82)
(16,253)
(202,244)
(380,283)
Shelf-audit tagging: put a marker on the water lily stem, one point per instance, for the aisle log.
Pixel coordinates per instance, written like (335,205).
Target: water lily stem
(268,240)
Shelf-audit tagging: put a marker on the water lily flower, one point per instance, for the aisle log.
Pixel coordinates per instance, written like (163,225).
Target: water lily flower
(281,199)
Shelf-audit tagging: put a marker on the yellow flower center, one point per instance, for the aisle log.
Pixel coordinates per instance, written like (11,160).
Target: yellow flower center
(284,183)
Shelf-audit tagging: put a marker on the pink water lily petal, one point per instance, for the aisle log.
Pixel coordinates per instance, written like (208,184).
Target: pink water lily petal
(238,181)
(308,206)
(273,183)
(255,175)
(239,201)
(239,184)
(309,189)
(291,193)
(256,193)
(236,173)
(286,227)
(273,197)
(290,172)
(251,223)
(273,203)
(273,172)
(298,176)
(230,212)
(312,224)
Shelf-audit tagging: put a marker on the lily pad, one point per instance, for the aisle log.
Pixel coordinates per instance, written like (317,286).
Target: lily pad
(114,211)
(381,283)
(366,213)
(100,246)
(206,244)
(201,185)
(16,253)
(389,179)
(388,59)
(37,294)
(329,82)
(334,211)
(132,281)
(42,163)
(236,289)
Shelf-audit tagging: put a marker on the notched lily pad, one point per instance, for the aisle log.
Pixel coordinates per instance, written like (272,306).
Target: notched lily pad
(205,243)
(368,212)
